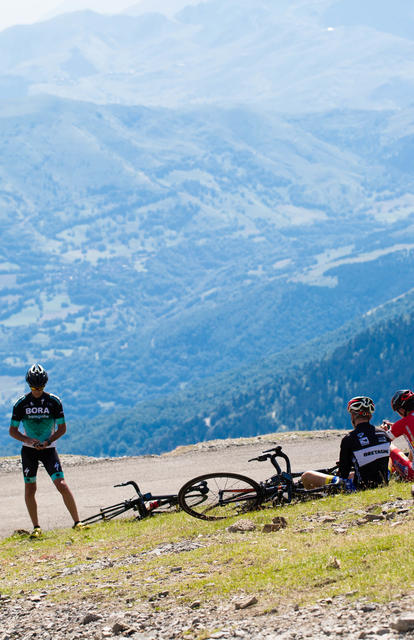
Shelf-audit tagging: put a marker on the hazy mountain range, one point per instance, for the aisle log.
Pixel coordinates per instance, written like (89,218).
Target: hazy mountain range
(294,56)
(183,196)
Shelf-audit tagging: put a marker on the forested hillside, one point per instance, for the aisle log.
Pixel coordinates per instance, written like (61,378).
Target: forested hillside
(290,392)
(194,208)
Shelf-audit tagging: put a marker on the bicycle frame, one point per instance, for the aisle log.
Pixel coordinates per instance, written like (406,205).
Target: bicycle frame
(287,489)
(228,493)
(146,504)
(236,495)
(283,480)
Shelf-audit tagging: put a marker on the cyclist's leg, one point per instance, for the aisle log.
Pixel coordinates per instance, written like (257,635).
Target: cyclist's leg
(316,479)
(30,463)
(401,464)
(68,498)
(51,462)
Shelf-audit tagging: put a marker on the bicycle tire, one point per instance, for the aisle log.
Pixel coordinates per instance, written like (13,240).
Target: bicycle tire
(216,496)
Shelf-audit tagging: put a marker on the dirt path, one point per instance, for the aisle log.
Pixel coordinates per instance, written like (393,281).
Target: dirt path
(92,482)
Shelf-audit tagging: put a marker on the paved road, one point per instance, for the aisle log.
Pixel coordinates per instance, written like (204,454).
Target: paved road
(92,484)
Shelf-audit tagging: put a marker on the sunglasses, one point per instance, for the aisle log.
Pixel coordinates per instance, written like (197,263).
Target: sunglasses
(37,388)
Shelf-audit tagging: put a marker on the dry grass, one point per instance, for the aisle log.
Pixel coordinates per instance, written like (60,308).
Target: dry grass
(301,564)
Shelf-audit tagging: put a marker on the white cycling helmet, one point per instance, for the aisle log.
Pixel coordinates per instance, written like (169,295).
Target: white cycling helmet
(362,405)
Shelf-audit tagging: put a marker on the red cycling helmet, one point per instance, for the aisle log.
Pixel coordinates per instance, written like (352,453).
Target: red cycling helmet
(400,398)
(362,405)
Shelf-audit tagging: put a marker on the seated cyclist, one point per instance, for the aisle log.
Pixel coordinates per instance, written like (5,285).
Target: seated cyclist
(403,403)
(366,449)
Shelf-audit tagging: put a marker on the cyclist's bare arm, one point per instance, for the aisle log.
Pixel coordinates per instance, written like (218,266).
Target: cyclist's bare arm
(17,435)
(60,431)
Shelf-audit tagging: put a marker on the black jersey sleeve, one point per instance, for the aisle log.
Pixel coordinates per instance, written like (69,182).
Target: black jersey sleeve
(57,408)
(18,412)
(345,457)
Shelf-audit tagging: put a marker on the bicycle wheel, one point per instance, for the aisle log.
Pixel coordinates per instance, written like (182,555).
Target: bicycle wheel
(215,496)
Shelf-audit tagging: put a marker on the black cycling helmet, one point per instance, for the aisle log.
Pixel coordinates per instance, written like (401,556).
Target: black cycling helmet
(400,398)
(36,376)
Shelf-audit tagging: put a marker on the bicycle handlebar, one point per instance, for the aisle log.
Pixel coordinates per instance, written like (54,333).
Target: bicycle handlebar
(277,449)
(134,484)
(259,459)
(145,496)
(272,454)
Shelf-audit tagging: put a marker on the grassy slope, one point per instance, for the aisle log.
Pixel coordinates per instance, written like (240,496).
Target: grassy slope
(291,566)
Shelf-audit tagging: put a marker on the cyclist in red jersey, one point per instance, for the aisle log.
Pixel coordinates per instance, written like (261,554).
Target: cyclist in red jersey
(403,403)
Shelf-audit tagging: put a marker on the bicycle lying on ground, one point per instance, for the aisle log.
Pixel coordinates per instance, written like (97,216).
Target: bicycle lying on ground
(229,494)
(144,504)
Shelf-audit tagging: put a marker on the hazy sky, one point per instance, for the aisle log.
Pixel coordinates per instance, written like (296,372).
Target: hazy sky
(26,11)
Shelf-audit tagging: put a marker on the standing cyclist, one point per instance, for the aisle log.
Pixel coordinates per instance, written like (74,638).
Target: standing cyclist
(366,449)
(43,423)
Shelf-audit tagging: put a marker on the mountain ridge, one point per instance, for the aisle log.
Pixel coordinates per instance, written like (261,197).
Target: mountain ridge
(193,59)
(197,200)
(195,248)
